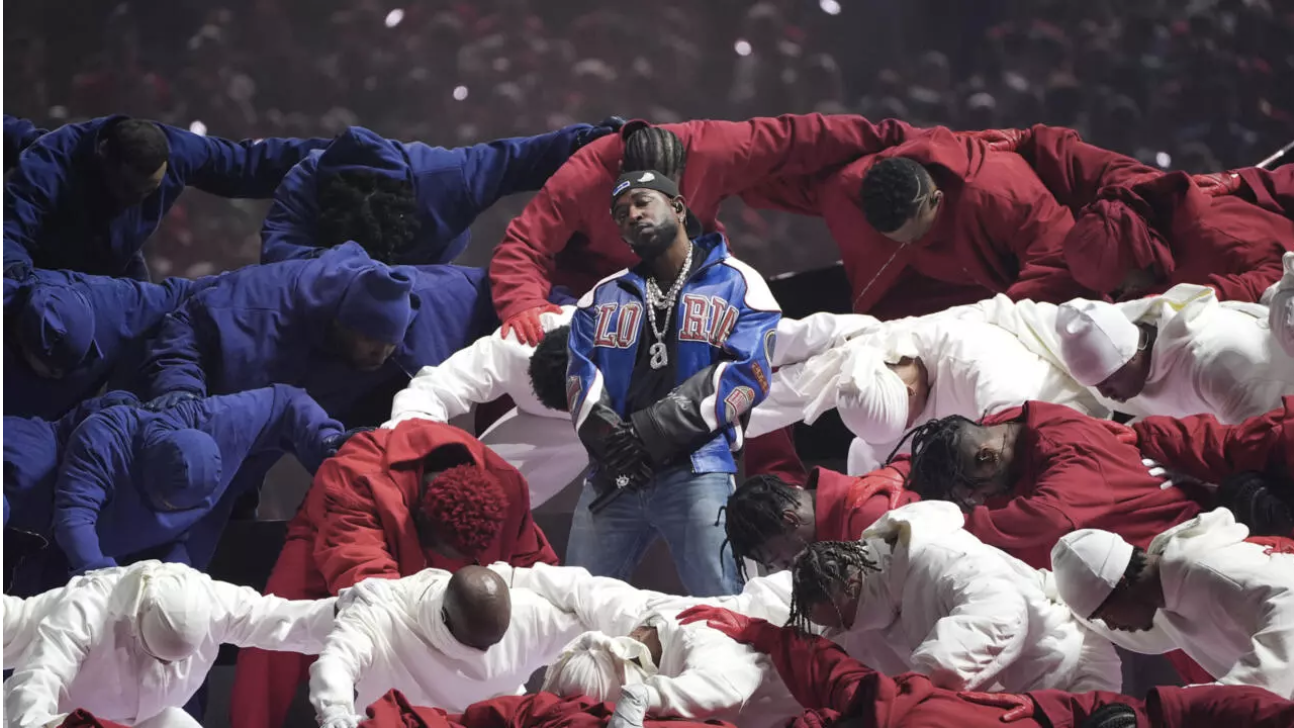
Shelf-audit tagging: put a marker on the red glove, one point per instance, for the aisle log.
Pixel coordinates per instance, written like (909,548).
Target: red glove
(747,630)
(887,480)
(1001,140)
(526,324)
(1122,433)
(1273,544)
(1017,707)
(1217,183)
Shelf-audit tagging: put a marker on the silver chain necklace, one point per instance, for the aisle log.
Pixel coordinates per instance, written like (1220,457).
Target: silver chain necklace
(655,300)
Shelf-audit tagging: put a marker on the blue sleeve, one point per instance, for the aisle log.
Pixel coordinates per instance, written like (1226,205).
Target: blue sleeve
(32,193)
(134,307)
(298,424)
(18,135)
(719,396)
(288,230)
(86,482)
(496,169)
(197,546)
(236,169)
(173,360)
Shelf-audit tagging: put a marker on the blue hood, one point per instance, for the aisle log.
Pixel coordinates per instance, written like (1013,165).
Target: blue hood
(322,287)
(358,149)
(180,469)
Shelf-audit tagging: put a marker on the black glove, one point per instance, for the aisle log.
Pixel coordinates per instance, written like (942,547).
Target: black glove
(609,125)
(169,400)
(333,443)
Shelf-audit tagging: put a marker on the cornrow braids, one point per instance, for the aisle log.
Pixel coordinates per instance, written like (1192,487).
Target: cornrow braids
(1112,715)
(893,190)
(937,463)
(822,569)
(754,515)
(380,213)
(654,148)
(1254,504)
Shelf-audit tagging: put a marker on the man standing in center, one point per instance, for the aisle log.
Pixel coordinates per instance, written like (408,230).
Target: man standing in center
(667,359)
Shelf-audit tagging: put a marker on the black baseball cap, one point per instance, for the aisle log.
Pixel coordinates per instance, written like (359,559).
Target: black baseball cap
(646,179)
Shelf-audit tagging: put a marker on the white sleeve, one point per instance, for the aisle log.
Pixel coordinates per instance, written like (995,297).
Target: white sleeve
(799,339)
(62,641)
(347,654)
(601,603)
(719,674)
(250,619)
(482,372)
(985,631)
(21,617)
(785,404)
(1267,663)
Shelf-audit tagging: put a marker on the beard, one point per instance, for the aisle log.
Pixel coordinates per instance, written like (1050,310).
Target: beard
(655,241)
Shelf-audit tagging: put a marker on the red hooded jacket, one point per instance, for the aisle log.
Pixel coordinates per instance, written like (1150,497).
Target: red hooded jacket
(998,229)
(1168,223)
(829,683)
(1073,473)
(1075,171)
(566,236)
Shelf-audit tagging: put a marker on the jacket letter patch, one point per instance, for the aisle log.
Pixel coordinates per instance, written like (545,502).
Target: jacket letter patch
(618,329)
(707,319)
(738,402)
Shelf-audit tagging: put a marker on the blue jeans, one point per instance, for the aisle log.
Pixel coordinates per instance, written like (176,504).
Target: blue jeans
(679,505)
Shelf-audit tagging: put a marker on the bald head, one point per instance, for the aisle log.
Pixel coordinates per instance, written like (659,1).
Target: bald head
(478,607)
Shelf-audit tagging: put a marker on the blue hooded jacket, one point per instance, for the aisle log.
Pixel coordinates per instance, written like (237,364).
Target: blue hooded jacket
(270,323)
(90,324)
(452,186)
(58,216)
(132,480)
(33,448)
(18,135)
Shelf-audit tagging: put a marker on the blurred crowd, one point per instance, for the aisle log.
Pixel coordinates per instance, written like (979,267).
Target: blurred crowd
(1196,85)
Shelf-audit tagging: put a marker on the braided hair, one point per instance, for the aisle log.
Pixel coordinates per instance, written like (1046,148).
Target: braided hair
(823,568)
(893,191)
(754,515)
(937,462)
(655,148)
(378,212)
(1255,505)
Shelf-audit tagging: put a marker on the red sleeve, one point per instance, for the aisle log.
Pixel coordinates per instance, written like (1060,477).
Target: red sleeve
(532,545)
(393,710)
(1032,226)
(1250,285)
(819,674)
(351,544)
(860,516)
(791,144)
(1073,170)
(798,195)
(1205,449)
(522,265)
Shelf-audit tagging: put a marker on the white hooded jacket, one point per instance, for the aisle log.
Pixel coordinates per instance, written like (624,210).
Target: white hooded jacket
(390,634)
(89,653)
(1227,603)
(703,673)
(1210,357)
(971,616)
(1280,302)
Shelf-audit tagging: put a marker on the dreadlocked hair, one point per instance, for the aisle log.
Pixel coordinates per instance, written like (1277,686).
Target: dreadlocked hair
(1112,715)
(465,507)
(822,569)
(936,456)
(1255,505)
(654,148)
(892,192)
(378,212)
(753,515)
(547,369)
